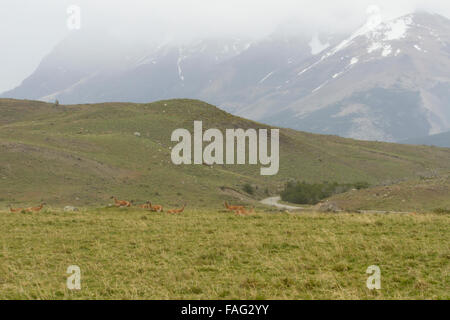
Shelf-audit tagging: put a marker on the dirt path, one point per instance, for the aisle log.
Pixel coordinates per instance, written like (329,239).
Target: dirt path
(273,201)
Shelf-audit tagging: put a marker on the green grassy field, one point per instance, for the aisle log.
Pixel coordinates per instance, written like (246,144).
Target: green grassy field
(81,155)
(210,254)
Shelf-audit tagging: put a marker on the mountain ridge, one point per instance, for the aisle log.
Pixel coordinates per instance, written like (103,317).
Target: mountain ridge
(388,81)
(385,59)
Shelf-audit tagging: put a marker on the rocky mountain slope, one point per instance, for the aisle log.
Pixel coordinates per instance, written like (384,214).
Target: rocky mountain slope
(388,81)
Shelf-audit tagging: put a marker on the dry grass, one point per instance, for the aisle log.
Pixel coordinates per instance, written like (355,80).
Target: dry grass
(131,254)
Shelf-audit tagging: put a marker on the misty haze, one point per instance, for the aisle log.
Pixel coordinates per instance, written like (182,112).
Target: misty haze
(376,76)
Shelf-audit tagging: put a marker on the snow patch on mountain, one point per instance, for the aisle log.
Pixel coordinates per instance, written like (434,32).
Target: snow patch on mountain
(320,87)
(374,46)
(377,33)
(181,57)
(317,46)
(395,30)
(354,61)
(266,77)
(418,48)
(351,109)
(387,50)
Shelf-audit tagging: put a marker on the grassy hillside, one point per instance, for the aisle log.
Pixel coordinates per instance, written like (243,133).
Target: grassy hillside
(81,155)
(206,254)
(419,195)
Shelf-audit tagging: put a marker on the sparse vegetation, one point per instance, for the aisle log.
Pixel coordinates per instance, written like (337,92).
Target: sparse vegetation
(417,195)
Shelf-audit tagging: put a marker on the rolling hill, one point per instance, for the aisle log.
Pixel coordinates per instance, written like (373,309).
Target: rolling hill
(83,154)
(419,195)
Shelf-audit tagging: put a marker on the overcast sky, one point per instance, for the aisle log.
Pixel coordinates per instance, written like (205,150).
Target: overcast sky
(29,29)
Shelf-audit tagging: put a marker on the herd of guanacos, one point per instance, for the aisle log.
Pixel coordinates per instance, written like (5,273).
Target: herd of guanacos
(238,210)
(29,210)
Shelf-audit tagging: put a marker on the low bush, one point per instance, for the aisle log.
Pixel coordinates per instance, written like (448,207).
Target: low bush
(249,189)
(307,193)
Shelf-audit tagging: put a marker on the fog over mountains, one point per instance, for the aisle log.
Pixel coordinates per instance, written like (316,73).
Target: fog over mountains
(387,81)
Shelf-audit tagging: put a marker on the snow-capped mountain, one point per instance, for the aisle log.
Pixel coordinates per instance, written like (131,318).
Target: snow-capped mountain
(108,72)
(387,81)
(212,69)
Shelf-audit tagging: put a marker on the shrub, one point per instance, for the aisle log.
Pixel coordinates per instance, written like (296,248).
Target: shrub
(249,189)
(361,185)
(306,193)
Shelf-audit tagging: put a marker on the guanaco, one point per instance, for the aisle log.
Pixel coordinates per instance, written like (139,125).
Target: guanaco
(35,209)
(233,208)
(121,203)
(15,210)
(177,210)
(145,205)
(243,212)
(156,208)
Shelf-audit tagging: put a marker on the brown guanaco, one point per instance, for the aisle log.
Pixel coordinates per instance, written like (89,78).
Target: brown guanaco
(121,203)
(15,210)
(177,210)
(233,208)
(145,205)
(35,209)
(243,212)
(156,208)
